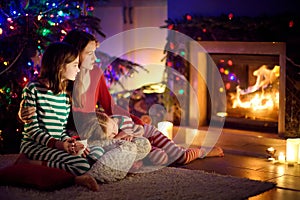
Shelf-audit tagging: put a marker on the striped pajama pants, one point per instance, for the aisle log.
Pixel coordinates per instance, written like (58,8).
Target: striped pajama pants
(55,158)
(164,151)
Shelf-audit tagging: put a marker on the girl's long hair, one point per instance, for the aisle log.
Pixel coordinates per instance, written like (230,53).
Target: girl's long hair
(54,61)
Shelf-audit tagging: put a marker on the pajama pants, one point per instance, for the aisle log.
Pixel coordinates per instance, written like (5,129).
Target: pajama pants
(164,151)
(55,158)
(118,158)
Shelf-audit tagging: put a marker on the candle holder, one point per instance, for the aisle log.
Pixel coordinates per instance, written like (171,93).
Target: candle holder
(271,152)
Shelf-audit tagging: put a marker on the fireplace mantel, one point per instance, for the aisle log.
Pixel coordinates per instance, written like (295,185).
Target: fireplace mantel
(200,74)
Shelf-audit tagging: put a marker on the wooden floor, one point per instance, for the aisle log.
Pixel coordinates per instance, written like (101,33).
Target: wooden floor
(245,156)
(286,177)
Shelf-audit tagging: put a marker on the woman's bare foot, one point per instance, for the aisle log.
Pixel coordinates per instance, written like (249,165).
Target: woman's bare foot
(88,181)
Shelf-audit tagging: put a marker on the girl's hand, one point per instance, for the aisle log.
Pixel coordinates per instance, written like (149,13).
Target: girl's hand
(86,152)
(128,138)
(123,136)
(72,146)
(25,113)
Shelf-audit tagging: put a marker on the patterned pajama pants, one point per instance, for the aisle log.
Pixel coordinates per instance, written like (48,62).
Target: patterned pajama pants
(164,151)
(118,158)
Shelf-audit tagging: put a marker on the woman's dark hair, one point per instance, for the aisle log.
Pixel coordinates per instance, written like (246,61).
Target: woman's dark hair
(54,60)
(79,39)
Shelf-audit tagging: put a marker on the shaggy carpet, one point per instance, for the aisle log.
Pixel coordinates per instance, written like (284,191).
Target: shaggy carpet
(165,183)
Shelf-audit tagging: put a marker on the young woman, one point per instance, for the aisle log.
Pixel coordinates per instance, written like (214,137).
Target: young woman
(45,140)
(122,127)
(120,156)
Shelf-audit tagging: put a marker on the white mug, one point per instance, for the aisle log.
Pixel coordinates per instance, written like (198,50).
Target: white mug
(84,142)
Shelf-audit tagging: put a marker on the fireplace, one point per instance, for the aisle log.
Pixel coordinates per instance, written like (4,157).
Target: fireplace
(253,76)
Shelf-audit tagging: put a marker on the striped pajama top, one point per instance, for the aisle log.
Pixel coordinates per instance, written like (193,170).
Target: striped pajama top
(50,118)
(127,125)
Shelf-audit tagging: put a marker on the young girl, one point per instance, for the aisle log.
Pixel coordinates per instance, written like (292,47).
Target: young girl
(122,127)
(110,130)
(45,141)
(115,163)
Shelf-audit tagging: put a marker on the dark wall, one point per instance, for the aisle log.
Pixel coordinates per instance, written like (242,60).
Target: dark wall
(178,8)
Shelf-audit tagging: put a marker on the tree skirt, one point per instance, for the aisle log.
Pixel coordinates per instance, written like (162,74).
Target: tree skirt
(164,183)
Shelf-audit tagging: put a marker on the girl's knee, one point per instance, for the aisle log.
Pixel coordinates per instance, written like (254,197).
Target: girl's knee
(143,145)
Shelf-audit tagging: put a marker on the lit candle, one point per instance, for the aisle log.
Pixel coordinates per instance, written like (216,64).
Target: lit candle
(271,150)
(281,157)
(298,154)
(166,128)
(292,145)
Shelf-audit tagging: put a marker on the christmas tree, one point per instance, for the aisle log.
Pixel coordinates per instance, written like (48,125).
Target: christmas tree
(27,27)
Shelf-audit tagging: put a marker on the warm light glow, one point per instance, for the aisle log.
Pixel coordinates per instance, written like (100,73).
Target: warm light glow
(155,88)
(292,149)
(281,157)
(271,149)
(222,114)
(166,128)
(63,32)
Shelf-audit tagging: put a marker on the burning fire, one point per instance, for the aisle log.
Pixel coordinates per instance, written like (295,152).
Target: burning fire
(258,97)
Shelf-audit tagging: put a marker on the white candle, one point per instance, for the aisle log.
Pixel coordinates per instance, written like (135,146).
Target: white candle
(271,150)
(298,154)
(292,145)
(281,157)
(166,128)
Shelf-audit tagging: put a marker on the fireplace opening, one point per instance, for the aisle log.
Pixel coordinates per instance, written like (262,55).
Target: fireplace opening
(251,83)
(253,74)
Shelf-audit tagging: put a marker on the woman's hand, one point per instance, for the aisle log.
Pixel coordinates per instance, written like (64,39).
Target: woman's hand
(25,113)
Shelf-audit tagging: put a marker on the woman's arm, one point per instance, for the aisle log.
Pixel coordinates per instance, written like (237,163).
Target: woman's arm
(25,113)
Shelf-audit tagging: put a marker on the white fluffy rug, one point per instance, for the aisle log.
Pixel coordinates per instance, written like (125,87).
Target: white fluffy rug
(166,183)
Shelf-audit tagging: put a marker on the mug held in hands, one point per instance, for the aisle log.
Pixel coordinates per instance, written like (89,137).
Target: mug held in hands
(84,142)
